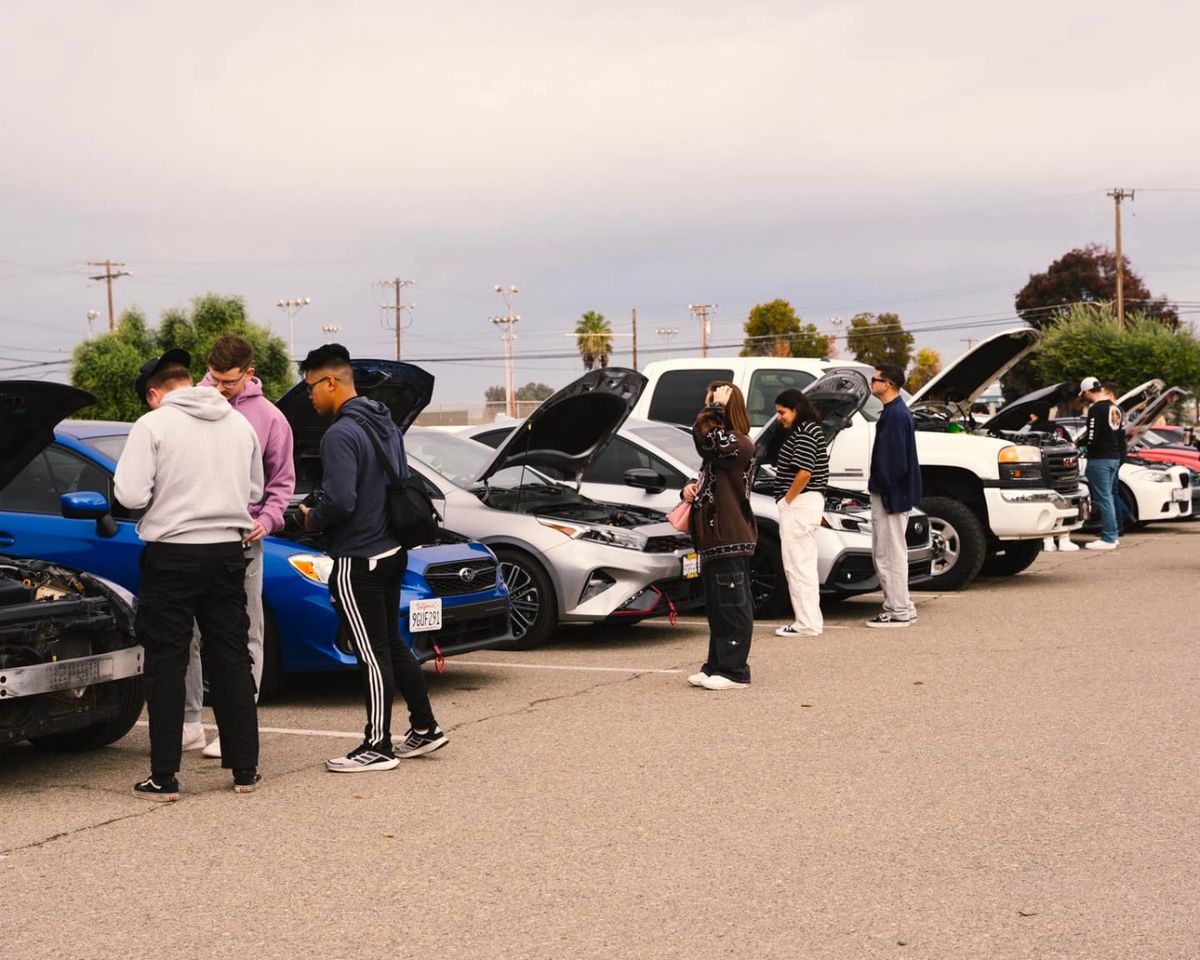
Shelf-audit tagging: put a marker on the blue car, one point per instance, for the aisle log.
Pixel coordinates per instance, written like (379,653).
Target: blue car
(60,507)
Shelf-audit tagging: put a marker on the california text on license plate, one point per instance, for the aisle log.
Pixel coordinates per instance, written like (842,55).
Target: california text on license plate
(691,566)
(425,615)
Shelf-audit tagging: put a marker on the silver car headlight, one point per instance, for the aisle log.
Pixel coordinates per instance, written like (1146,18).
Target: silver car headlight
(613,536)
(316,567)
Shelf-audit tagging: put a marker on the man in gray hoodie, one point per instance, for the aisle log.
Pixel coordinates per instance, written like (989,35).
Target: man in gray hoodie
(194,465)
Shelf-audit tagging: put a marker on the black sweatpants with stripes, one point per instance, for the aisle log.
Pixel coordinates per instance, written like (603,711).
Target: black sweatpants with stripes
(366,595)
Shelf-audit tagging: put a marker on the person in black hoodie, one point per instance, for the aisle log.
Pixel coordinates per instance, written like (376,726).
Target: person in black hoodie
(368,560)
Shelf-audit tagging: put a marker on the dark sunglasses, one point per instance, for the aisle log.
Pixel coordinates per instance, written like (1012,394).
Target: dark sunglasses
(310,387)
(880,380)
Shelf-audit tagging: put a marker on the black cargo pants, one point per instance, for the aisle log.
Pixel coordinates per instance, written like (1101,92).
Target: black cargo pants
(729,607)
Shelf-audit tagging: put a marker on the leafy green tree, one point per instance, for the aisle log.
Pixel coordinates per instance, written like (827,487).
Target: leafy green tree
(534,391)
(594,338)
(1087,342)
(773,330)
(495,395)
(108,365)
(878,338)
(926,366)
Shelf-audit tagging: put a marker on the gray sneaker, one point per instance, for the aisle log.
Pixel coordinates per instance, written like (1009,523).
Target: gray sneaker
(887,620)
(362,759)
(417,744)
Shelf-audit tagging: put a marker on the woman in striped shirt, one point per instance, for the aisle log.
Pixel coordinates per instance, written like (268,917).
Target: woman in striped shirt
(801,476)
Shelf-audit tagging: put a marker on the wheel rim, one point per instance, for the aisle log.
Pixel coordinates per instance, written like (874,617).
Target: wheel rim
(763,579)
(525,596)
(946,546)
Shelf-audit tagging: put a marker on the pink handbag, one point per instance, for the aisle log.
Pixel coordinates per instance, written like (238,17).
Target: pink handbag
(680,516)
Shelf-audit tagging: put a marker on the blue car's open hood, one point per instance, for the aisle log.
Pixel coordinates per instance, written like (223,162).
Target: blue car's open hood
(29,412)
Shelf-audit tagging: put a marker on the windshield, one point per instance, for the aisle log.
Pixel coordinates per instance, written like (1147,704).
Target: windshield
(111,446)
(461,461)
(671,440)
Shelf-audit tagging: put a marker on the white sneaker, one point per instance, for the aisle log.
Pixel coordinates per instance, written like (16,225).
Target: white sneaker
(1066,546)
(697,679)
(716,682)
(791,630)
(1048,545)
(193,736)
(1100,545)
(213,750)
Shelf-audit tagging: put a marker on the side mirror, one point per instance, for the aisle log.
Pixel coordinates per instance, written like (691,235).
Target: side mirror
(87,505)
(644,479)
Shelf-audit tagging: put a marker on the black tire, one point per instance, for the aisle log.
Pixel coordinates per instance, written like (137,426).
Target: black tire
(768,583)
(1134,522)
(273,677)
(130,700)
(1011,557)
(959,544)
(534,605)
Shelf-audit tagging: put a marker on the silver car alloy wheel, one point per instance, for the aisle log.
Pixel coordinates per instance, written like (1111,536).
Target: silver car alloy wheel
(946,546)
(525,596)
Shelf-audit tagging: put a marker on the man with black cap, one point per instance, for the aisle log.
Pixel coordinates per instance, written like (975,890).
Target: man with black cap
(194,464)
(1103,444)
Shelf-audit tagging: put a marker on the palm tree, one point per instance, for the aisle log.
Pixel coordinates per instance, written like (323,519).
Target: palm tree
(593,337)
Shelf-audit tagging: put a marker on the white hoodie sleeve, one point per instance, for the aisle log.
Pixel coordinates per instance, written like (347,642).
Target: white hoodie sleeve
(134,480)
(256,469)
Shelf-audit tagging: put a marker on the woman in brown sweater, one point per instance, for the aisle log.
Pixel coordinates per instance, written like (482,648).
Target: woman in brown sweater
(724,532)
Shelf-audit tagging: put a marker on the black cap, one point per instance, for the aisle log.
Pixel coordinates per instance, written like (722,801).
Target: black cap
(151,367)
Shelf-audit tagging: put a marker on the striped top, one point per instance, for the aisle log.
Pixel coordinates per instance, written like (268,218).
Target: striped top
(803,449)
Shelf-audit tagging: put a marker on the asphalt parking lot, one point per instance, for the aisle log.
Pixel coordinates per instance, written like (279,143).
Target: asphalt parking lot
(1014,777)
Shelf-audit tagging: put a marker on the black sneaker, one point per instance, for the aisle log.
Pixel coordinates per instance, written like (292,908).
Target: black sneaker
(415,744)
(246,781)
(887,620)
(150,789)
(362,759)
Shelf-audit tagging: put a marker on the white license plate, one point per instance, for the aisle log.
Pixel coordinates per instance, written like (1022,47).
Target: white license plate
(691,566)
(1181,494)
(425,615)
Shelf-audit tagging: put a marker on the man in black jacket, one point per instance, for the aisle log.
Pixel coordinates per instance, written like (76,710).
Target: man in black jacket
(1103,443)
(368,559)
(895,488)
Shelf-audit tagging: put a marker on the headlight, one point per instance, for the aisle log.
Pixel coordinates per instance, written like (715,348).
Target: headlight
(613,536)
(1020,466)
(312,566)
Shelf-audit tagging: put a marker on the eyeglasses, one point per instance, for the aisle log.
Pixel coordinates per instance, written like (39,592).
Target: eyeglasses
(310,387)
(228,384)
(880,380)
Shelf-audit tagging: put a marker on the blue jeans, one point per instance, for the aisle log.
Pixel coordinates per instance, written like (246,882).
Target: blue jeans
(1102,479)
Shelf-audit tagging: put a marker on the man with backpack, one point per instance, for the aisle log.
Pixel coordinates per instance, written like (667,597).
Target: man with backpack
(368,558)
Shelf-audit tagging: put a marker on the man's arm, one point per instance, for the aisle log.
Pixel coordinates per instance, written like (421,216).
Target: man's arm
(280,474)
(339,480)
(133,482)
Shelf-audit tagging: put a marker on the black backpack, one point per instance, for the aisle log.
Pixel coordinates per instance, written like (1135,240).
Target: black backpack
(411,514)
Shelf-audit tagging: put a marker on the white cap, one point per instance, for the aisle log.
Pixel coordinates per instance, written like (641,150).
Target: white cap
(1088,384)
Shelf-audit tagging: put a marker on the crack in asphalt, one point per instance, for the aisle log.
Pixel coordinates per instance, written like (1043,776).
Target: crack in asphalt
(84,829)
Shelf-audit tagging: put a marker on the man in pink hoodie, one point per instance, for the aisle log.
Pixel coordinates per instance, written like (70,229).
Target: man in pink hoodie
(231,371)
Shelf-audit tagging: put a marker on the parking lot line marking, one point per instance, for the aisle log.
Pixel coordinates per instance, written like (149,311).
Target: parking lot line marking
(558,666)
(337,734)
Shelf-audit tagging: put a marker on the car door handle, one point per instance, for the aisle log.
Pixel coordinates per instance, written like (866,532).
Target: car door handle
(7,539)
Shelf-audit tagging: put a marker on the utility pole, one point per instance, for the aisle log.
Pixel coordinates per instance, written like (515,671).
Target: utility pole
(508,336)
(635,366)
(969,342)
(1118,195)
(667,333)
(400,306)
(108,277)
(700,312)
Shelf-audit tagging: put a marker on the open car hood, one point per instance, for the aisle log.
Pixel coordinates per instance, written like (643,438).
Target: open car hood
(1013,416)
(1144,404)
(570,429)
(838,394)
(29,412)
(969,376)
(403,388)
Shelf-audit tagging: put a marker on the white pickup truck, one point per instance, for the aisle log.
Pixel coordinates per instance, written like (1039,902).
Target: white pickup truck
(990,501)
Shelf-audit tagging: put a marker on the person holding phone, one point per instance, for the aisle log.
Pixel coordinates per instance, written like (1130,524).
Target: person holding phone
(724,531)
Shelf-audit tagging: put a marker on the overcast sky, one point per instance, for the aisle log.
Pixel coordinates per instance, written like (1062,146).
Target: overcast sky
(922,158)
